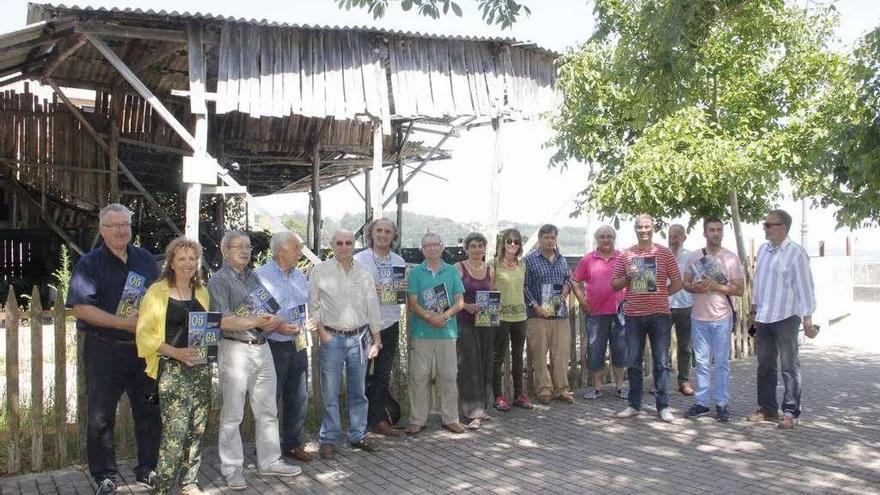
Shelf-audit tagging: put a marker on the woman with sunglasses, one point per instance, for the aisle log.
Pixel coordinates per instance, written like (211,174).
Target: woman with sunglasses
(510,275)
(474,344)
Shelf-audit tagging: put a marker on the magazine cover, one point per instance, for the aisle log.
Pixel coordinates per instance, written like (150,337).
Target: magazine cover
(708,267)
(436,298)
(132,293)
(258,302)
(204,334)
(488,309)
(297,316)
(551,299)
(390,279)
(646,281)
(366,342)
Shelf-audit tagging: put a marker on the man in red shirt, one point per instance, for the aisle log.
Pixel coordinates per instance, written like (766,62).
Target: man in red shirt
(644,270)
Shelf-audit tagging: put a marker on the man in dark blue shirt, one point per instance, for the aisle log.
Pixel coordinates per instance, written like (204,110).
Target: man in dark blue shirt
(104,291)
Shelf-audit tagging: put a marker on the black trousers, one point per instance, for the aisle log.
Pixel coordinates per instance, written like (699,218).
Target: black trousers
(111,369)
(379,374)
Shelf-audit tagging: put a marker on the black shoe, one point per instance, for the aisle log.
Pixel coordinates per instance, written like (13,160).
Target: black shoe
(696,411)
(147,478)
(365,446)
(106,487)
(722,413)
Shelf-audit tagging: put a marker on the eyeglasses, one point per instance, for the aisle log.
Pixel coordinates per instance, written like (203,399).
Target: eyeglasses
(605,236)
(242,247)
(767,225)
(120,225)
(515,242)
(343,243)
(432,245)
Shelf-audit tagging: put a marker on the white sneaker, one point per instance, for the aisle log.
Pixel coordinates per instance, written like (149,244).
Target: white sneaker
(236,481)
(666,415)
(281,468)
(629,412)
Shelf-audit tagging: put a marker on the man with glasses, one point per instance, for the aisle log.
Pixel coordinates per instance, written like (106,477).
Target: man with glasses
(435,295)
(381,236)
(345,308)
(245,364)
(112,365)
(782,297)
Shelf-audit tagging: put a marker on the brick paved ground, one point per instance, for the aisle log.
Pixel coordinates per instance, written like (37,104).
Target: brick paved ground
(581,449)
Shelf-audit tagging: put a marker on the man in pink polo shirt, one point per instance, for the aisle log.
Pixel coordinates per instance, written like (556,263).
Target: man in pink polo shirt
(600,302)
(644,270)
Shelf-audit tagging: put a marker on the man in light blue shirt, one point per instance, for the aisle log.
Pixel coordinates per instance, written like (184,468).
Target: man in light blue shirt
(290,289)
(381,236)
(680,305)
(782,297)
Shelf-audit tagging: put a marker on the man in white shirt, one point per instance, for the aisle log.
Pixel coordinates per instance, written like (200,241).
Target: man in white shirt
(381,236)
(344,306)
(680,306)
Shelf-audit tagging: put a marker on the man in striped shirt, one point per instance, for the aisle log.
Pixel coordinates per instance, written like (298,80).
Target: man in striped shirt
(644,270)
(782,297)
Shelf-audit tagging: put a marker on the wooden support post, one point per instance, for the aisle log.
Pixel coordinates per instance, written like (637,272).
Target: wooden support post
(400,197)
(197,79)
(376,176)
(113,154)
(13,400)
(495,166)
(106,147)
(316,198)
(368,197)
(60,404)
(36,381)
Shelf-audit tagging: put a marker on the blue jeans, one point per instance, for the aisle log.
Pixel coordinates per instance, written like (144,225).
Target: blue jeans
(657,328)
(711,340)
(772,340)
(292,372)
(603,330)
(338,353)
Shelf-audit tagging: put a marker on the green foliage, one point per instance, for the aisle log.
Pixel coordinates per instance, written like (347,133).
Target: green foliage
(674,105)
(503,12)
(63,272)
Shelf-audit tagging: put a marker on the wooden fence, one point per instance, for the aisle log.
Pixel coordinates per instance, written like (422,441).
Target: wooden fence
(47,434)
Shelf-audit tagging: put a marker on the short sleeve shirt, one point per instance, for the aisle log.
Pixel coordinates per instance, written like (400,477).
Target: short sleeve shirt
(595,271)
(229,289)
(390,312)
(714,306)
(422,279)
(640,302)
(98,279)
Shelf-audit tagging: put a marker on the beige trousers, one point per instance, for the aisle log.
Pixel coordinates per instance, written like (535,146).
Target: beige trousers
(553,336)
(423,355)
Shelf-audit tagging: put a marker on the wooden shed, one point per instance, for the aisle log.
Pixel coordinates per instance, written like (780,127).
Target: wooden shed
(191,106)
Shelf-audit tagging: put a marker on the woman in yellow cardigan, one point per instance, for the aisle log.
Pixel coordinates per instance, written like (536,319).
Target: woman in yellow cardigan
(184,387)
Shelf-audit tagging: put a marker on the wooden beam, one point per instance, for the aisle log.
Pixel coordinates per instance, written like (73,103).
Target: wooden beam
(64,56)
(114,161)
(34,31)
(142,33)
(155,147)
(186,94)
(196,58)
(316,198)
(378,155)
(106,147)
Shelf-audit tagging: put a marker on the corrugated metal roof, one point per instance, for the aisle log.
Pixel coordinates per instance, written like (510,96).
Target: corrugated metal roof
(184,16)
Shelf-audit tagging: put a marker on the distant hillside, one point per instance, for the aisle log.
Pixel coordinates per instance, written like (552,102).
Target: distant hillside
(571,239)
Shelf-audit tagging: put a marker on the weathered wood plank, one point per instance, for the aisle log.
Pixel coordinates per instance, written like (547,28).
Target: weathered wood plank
(319,93)
(267,53)
(60,402)
(36,381)
(13,400)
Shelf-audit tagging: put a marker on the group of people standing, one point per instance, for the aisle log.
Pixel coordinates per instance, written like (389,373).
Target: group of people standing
(628,296)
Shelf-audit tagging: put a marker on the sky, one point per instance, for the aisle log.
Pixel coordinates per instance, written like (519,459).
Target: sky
(530,193)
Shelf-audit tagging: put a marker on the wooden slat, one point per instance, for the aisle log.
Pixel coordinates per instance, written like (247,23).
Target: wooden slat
(279,43)
(36,381)
(352,87)
(81,392)
(60,402)
(13,400)
(306,46)
(319,93)
(266,58)
(292,76)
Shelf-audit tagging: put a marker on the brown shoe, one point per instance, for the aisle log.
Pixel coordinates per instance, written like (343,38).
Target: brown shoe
(544,399)
(454,428)
(760,415)
(566,397)
(787,422)
(413,430)
(299,454)
(686,389)
(327,452)
(384,428)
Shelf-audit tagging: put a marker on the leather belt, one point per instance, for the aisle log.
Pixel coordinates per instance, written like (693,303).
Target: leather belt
(259,341)
(345,333)
(112,341)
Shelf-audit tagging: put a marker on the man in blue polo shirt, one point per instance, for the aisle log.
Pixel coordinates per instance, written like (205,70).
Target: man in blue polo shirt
(435,294)
(109,354)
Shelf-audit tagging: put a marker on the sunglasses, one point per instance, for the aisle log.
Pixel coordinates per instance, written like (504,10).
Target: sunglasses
(344,243)
(515,242)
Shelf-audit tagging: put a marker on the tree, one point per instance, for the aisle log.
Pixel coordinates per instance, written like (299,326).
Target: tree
(503,12)
(684,107)
(844,131)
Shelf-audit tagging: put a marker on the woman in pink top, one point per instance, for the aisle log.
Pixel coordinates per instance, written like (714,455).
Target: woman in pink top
(600,303)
